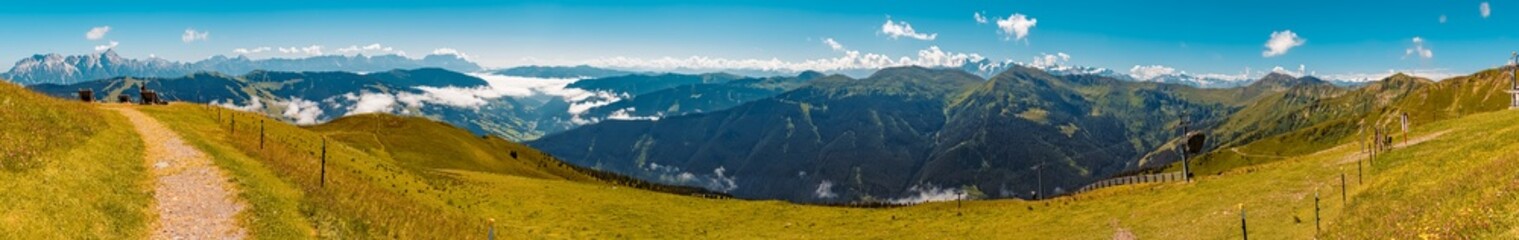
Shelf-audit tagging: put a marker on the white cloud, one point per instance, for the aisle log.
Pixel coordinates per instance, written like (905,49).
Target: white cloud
(450,51)
(717,181)
(1433,74)
(898,29)
(723,182)
(1442,18)
(930,193)
(312,50)
(1487,10)
(1050,60)
(980,18)
(834,44)
(625,114)
(1283,70)
(254,105)
(367,102)
(580,104)
(1146,73)
(191,35)
(372,49)
(1280,42)
(251,51)
(97,33)
(1227,77)
(108,46)
(580,100)
(930,57)
(1016,27)
(825,190)
(304,112)
(1419,50)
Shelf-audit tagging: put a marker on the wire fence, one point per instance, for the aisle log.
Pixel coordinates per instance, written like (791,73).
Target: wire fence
(1135,179)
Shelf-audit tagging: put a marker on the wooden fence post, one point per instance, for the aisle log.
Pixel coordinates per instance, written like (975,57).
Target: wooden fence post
(1343,198)
(1244,229)
(1316,214)
(260,134)
(324,163)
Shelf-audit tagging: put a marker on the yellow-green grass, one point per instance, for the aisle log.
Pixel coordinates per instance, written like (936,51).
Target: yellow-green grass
(71,171)
(1400,198)
(369,193)
(360,196)
(32,125)
(424,144)
(275,208)
(1462,185)
(1351,116)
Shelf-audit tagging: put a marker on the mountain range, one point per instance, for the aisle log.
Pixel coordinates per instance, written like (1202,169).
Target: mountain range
(904,134)
(60,69)
(899,135)
(580,71)
(515,109)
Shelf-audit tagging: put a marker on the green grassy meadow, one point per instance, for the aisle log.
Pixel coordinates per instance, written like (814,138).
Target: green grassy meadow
(70,171)
(403,177)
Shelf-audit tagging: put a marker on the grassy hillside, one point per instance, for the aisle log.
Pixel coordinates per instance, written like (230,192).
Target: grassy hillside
(1281,126)
(386,176)
(1402,195)
(70,171)
(419,143)
(1455,180)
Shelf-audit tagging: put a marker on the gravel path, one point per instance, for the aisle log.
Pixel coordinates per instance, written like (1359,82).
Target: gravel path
(194,200)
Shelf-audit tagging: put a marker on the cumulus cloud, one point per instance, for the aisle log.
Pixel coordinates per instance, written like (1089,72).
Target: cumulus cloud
(107,46)
(252,51)
(372,49)
(191,35)
(450,51)
(834,44)
(1280,42)
(1487,10)
(933,56)
(626,114)
(719,180)
(1050,60)
(1146,73)
(97,33)
(585,103)
(1419,50)
(1015,27)
(980,18)
(367,102)
(825,190)
(499,86)
(1289,72)
(304,112)
(312,50)
(254,105)
(899,29)
(929,193)
(451,96)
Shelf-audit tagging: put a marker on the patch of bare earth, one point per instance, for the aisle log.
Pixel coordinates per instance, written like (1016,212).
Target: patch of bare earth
(192,196)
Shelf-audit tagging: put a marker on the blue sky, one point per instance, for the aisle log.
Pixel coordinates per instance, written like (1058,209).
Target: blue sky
(1333,38)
